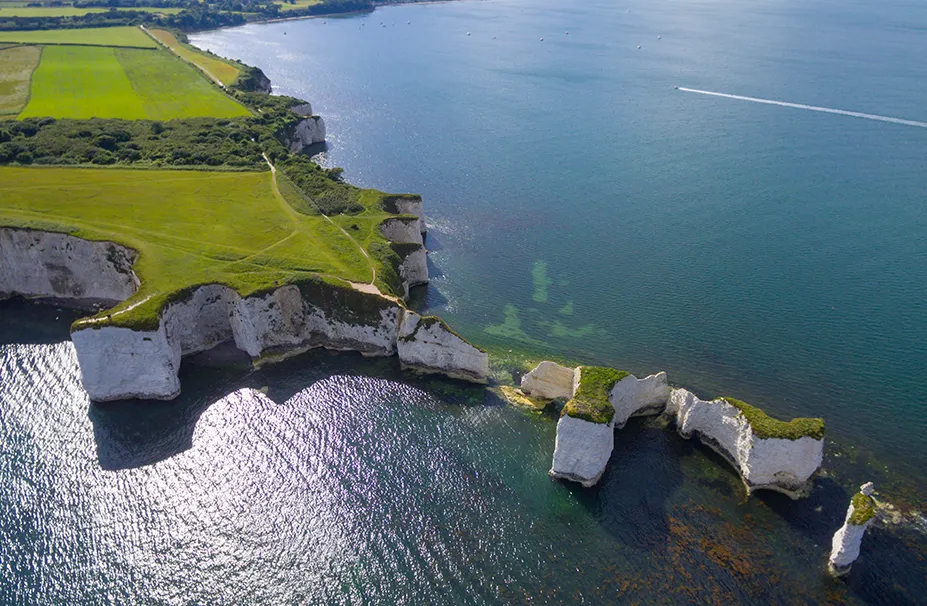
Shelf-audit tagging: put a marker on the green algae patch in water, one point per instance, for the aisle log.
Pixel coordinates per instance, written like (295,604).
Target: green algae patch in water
(766,427)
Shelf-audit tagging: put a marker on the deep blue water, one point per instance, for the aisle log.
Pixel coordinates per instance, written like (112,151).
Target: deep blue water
(579,206)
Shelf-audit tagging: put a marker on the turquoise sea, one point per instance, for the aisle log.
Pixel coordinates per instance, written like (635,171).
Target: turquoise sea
(579,206)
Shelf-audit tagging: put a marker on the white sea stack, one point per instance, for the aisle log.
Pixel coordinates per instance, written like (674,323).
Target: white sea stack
(582,450)
(780,464)
(429,345)
(549,380)
(849,537)
(632,397)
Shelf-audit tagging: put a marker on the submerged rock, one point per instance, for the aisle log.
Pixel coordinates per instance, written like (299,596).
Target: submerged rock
(847,540)
(769,454)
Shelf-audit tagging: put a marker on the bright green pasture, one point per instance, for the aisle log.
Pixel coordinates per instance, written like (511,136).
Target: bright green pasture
(70,11)
(16,67)
(189,227)
(83,82)
(93,36)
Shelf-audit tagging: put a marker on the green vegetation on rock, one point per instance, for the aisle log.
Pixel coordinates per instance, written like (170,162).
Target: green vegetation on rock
(590,402)
(766,427)
(863,509)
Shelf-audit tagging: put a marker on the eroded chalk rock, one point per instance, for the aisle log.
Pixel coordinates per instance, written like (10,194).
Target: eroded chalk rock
(632,397)
(402,230)
(549,380)
(427,344)
(307,132)
(46,264)
(774,455)
(848,539)
(582,450)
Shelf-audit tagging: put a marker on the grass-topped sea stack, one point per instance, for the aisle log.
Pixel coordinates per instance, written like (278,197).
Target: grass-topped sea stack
(768,453)
(848,539)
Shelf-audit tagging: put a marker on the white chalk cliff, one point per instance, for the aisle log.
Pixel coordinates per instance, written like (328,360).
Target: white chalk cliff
(402,230)
(778,464)
(848,539)
(428,345)
(549,380)
(119,362)
(44,264)
(309,131)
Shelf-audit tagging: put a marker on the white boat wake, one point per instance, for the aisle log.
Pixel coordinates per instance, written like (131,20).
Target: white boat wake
(813,108)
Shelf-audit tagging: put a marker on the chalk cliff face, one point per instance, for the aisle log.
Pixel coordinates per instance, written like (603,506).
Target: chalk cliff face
(128,362)
(413,206)
(582,450)
(549,380)
(632,397)
(848,539)
(414,269)
(307,132)
(428,345)
(402,230)
(782,465)
(303,109)
(44,264)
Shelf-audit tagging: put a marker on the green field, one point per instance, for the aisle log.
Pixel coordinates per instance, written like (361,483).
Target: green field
(94,36)
(83,82)
(70,11)
(190,228)
(223,71)
(16,67)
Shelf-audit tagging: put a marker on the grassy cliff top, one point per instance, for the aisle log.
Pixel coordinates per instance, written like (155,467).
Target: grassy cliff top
(195,227)
(765,427)
(590,402)
(863,509)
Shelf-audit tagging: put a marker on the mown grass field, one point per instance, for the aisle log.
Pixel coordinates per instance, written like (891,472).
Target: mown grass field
(16,67)
(190,228)
(94,36)
(223,71)
(83,82)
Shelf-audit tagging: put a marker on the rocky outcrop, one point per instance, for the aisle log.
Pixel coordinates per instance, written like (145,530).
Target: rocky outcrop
(409,205)
(413,271)
(633,397)
(582,450)
(549,380)
(307,132)
(59,266)
(427,344)
(773,455)
(848,539)
(601,400)
(402,230)
(303,109)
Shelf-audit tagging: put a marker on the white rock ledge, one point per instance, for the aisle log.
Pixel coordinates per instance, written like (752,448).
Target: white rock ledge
(306,133)
(428,345)
(549,380)
(782,465)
